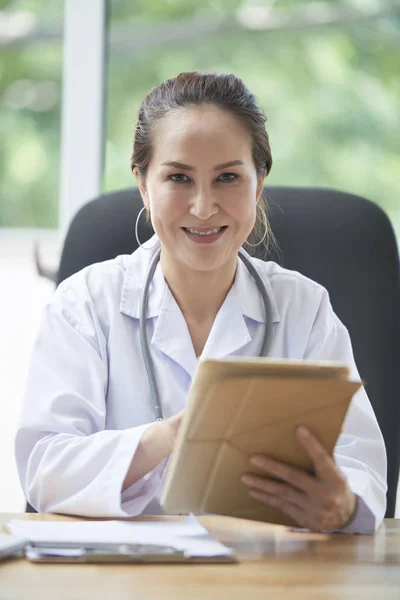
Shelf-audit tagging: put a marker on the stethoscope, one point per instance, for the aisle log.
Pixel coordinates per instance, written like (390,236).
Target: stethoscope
(148,361)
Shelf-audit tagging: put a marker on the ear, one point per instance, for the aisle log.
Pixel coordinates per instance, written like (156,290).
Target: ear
(142,188)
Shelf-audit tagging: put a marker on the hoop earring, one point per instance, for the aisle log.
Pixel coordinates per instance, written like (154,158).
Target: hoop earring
(265,220)
(136,231)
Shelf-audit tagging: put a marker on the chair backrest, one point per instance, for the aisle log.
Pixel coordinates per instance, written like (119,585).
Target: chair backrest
(342,241)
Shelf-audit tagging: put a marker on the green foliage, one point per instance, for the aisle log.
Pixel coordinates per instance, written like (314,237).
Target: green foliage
(30,80)
(331,95)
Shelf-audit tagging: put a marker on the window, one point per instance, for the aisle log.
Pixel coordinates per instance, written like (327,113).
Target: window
(30,93)
(30,90)
(330,91)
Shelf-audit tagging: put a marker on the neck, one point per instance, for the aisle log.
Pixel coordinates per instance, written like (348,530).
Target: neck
(199,294)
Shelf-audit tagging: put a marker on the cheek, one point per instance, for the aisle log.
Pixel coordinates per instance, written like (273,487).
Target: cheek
(241,205)
(168,208)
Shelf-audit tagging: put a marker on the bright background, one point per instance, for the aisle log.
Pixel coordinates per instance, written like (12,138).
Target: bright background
(327,75)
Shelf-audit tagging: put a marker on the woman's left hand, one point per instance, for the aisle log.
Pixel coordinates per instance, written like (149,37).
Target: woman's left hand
(320,502)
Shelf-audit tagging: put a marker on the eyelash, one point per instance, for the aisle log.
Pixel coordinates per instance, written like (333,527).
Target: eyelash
(236,177)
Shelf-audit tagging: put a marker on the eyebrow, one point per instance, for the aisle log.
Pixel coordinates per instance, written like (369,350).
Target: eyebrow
(178,165)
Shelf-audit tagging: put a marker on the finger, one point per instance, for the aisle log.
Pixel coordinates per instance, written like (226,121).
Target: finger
(292,511)
(303,518)
(277,489)
(324,464)
(295,477)
(310,503)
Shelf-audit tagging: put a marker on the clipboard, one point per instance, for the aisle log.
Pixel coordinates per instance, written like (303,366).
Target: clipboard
(11,546)
(117,553)
(120,541)
(241,406)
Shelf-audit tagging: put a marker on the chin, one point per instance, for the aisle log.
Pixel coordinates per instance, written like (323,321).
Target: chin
(215,260)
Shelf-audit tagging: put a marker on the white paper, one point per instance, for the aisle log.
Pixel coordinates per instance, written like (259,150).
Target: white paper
(187,535)
(9,545)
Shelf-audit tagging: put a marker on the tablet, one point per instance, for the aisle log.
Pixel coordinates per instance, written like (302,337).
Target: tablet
(244,406)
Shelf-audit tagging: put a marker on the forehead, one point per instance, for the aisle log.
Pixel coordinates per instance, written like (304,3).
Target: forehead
(204,129)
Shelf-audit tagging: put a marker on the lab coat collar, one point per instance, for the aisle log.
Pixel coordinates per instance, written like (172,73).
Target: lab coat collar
(171,334)
(134,280)
(244,287)
(172,337)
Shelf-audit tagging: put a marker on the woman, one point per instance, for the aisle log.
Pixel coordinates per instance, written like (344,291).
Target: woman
(87,442)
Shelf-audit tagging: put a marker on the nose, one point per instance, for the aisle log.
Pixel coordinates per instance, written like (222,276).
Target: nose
(203,205)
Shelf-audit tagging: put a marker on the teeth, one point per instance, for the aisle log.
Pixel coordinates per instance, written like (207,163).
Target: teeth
(217,230)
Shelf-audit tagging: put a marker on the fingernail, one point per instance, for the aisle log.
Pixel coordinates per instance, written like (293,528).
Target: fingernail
(245,479)
(303,432)
(254,493)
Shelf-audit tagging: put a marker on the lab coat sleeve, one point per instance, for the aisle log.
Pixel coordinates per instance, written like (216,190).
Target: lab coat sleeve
(360,450)
(67,461)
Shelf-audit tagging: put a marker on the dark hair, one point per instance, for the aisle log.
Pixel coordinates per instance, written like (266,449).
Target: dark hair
(226,91)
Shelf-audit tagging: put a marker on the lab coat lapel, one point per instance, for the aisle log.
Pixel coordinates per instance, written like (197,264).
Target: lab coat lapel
(171,334)
(229,332)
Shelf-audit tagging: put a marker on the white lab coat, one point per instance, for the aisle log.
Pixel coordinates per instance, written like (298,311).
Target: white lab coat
(88,401)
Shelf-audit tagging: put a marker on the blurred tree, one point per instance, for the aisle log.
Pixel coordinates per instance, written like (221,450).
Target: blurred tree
(30,90)
(327,75)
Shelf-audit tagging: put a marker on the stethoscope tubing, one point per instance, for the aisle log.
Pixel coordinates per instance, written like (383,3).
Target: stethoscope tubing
(148,361)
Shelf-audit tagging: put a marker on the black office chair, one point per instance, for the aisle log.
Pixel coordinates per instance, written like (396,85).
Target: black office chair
(342,241)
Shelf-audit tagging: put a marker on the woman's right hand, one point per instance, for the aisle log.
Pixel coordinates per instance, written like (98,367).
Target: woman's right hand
(156,444)
(173,424)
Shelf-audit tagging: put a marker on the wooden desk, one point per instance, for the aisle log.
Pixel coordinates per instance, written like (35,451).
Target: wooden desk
(275,564)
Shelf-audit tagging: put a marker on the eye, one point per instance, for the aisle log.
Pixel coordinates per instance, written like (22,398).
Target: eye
(179,178)
(228,177)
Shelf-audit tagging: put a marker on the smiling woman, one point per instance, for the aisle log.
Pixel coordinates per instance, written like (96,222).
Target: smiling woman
(202,212)
(88,443)
(202,118)
(204,196)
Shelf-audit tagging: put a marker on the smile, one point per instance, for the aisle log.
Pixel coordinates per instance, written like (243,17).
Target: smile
(204,233)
